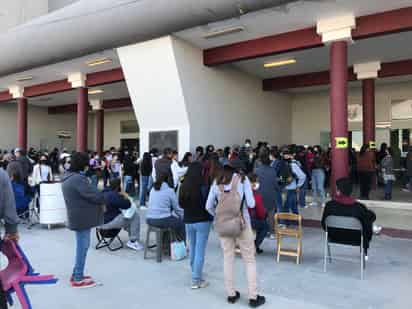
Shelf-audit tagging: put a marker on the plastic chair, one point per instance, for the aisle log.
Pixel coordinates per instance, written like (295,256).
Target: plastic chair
(342,223)
(106,239)
(281,232)
(18,273)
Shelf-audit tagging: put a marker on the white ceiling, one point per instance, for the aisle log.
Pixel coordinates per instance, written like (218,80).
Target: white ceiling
(387,48)
(294,16)
(111,91)
(60,70)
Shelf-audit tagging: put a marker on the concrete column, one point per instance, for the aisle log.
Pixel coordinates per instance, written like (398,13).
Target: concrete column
(368,92)
(82,119)
(22,123)
(99,131)
(339,111)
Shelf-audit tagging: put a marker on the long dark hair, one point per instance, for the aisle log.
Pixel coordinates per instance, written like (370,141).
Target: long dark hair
(162,178)
(225,176)
(193,181)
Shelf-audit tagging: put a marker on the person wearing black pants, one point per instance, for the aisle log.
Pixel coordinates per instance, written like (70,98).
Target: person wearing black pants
(365,184)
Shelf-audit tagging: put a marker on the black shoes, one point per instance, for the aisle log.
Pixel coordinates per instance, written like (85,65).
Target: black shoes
(259,301)
(259,251)
(233,299)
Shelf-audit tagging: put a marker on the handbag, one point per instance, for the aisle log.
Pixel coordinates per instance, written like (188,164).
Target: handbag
(177,249)
(129,212)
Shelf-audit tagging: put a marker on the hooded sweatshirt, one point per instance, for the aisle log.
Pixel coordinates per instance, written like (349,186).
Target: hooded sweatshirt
(83,201)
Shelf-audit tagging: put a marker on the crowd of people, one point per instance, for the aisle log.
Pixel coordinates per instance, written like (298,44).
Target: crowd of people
(238,189)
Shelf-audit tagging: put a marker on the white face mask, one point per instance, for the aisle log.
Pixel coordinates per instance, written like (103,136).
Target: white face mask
(257,185)
(247,145)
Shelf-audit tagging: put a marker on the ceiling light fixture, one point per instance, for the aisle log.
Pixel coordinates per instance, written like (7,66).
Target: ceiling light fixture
(99,61)
(223,31)
(24,78)
(279,63)
(95,91)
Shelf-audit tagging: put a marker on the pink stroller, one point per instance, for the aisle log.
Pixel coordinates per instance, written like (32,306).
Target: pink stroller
(18,273)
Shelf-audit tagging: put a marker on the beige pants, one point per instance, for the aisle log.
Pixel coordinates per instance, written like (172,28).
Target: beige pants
(247,247)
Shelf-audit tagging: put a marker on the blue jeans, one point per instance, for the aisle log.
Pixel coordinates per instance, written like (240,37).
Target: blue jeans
(302,194)
(291,202)
(388,189)
(198,235)
(261,227)
(82,246)
(279,200)
(318,185)
(144,188)
(94,180)
(128,184)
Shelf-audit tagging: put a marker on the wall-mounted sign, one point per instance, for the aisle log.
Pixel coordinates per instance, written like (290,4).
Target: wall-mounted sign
(163,139)
(372,145)
(341,142)
(64,134)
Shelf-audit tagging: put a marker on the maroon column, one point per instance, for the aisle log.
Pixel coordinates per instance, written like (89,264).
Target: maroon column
(339,111)
(99,131)
(82,119)
(368,91)
(22,123)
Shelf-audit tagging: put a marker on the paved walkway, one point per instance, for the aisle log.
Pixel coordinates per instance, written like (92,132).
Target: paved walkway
(133,283)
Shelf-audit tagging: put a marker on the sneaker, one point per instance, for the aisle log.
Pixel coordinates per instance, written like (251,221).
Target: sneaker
(233,299)
(85,278)
(366,258)
(272,236)
(323,205)
(135,245)
(259,301)
(143,207)
(313,204)
(83,284)
(200,285)
(377,229)
(237,251)
(259,251)
(406,190)
(304,207)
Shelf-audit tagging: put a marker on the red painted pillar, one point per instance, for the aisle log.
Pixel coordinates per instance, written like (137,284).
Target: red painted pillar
(99,131)
(82,119)
(368,91)
(339,111)
(22,123)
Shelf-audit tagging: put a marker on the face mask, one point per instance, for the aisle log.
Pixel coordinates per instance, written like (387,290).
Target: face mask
(43,162)
(247,145)
(257,185)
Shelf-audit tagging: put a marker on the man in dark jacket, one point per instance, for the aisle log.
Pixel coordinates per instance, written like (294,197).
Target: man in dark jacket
(346,206)
(84,211)
(163,167)
(9,215)
(26,165)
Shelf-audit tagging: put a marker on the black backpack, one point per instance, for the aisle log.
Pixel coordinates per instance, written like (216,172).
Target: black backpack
(285,173)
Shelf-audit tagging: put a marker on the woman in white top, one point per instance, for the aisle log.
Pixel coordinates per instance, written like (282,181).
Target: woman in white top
(42,171)
(230,176)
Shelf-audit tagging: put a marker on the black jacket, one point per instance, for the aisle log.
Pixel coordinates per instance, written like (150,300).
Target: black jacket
(356,210)
(193,204)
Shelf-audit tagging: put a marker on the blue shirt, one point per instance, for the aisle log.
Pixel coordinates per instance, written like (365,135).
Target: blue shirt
(300,176)
(163,203)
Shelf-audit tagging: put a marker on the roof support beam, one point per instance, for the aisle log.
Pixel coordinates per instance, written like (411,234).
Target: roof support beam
(366,26)
(106,105)
(389,69)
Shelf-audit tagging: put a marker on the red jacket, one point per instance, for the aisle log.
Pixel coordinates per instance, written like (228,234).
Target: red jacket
(259,212)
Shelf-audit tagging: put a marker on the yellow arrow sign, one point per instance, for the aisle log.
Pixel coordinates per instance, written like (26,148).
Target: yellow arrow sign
(341,142)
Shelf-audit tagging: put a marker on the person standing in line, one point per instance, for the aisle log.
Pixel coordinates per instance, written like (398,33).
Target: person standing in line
(318,177)
(85,207)
(145,176)
(8,213)
(408,166)
(163,166)
(388,175)
(198,221)
(115,167)
(26,165)
(268,185)
(366,170)
(227,181)
(258,215)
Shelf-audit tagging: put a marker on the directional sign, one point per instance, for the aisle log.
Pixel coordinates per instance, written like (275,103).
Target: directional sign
(341,142)
(372,145)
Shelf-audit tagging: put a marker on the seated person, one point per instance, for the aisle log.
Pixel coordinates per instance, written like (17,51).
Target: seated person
(116,201)
(345,205)
(164,211)
(258,215)
(22,199)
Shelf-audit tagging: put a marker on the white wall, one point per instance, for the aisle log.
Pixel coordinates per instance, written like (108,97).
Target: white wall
(310,111)
(226,106)
(171,89)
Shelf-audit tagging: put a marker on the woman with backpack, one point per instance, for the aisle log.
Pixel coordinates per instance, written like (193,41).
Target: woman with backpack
(197,220)
(233,193)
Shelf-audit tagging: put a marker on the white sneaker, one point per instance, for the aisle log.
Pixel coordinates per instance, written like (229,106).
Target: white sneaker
(366,258)
(313,204)
(135,245)
(272,236)
(377,229)
(406,190)
(200,285)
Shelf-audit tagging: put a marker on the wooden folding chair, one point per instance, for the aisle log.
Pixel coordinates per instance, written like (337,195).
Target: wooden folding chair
(294,232)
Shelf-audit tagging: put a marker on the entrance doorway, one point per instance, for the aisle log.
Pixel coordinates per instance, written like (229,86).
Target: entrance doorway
(130,144)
